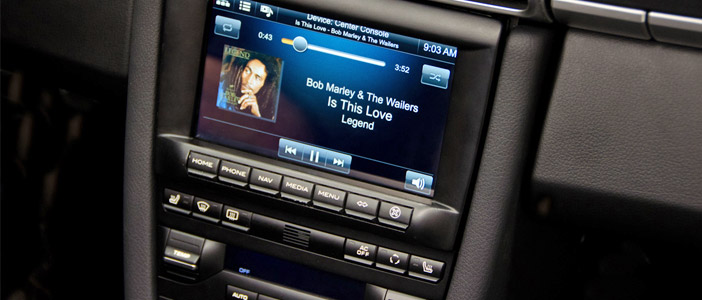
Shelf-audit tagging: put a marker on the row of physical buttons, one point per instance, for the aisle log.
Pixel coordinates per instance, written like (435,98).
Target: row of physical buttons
(207,210)
(393,260)
(365,253)
(301,191)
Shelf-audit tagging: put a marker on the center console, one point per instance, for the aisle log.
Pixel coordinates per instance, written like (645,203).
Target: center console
(316,149)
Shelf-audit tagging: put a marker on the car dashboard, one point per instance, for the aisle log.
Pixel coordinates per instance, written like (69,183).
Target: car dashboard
(387,149)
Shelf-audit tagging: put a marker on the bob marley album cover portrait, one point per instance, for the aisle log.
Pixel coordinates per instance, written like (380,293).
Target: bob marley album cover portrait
(249,83)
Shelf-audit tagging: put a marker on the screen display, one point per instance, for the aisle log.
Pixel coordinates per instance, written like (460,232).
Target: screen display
(292,275)
(332,95)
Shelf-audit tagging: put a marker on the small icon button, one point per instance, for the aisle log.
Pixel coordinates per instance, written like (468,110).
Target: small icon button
(203,206)
(425,268)
(267,11)
(362,207)
(232,215)
(395,215)
(227,27)
(418,182)
(392,260)
(290,149)
(236,218)
(245,6)
(174,199)
(435,76)
(223,3)
(177,201)
(360,252)
(207,210)
(395,212)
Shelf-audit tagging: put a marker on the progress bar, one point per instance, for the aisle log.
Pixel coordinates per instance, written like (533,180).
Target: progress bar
(300,45)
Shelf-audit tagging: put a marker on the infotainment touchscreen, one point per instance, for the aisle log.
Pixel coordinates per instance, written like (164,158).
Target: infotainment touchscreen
(327,94)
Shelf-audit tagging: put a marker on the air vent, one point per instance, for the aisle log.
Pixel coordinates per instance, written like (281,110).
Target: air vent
(529,9)
(296,236)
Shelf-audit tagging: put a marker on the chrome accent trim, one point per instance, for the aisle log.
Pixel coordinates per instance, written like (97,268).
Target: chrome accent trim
(602,17)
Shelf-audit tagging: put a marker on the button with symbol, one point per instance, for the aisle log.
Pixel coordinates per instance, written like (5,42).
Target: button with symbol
(392,260)
(266,11)
(425,268)
(435,76)
(362,207)
(177,201)
(244,6)
(290,149)
(418,182)
(338,162)
(395,215)
(360,252)
(207,210)
(236,218)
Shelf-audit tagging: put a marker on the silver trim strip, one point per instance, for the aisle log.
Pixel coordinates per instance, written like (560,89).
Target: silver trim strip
(675,29)
(602,17)
(535,9)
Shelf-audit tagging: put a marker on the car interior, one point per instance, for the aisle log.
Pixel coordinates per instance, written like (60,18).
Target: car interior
(351,149)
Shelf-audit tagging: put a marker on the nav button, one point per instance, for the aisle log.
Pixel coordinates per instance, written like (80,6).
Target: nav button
(266,182)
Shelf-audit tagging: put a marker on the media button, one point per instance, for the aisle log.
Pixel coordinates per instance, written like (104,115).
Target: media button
(227,27)
(203,165)
(207,210)
(266,11)
(425,268)
(329,198)
(177,201)
(395,215)
(392,260)
(265,181)
(362,207)
(236,218)
(234,173)
(360,252)
(418,182)
(297,190)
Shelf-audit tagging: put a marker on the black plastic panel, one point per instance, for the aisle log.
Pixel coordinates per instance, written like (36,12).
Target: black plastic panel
(622,138)
(483,260)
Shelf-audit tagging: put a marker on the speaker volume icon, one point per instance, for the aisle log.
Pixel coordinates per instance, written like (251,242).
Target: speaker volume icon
(419,183)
